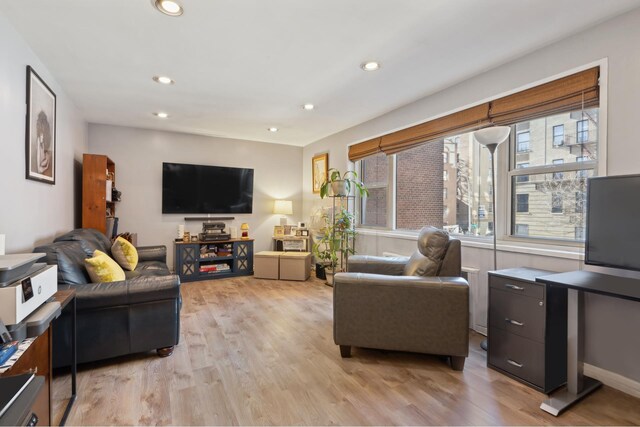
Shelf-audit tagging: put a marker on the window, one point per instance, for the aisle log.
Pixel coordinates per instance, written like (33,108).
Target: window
(582,131)
(522,178)
(523,139)
(554,179)
(579,233)
(558,175)
(445,175)
(420,186)
(558,135)
(522,230)
(556,202)
(445,194)
(374,172)
(522,203)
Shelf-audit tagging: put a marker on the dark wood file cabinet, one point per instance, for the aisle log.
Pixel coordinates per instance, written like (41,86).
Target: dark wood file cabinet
(527,328)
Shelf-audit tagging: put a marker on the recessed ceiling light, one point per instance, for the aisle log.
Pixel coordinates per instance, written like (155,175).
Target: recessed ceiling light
(370,66)
(168,7)
(272,129)
(308,107)
(163,80)
(161,115)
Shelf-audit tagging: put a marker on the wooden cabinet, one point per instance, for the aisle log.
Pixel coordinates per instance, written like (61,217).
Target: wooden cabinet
(527,328)
(212,260)
(37,359)
(97,206)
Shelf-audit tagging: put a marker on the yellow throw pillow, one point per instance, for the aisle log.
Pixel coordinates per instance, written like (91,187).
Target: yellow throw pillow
(102,268)
(125,254)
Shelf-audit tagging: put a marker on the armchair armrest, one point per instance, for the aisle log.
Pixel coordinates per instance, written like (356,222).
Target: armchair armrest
(152,253)
(392,266)
(132,291)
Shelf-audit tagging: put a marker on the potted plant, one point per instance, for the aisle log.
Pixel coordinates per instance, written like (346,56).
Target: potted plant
(336,244)
(341,184)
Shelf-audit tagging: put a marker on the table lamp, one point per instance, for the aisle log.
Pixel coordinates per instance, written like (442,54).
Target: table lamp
(245,231)
(283,207)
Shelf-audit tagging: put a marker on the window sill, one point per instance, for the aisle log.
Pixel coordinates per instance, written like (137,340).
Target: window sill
(504,245)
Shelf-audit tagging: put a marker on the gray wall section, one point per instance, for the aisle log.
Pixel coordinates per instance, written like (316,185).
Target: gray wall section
(612,342)
(33,212)
(138,155)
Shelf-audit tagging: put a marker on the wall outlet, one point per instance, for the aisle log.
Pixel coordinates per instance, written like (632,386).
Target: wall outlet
(1,244)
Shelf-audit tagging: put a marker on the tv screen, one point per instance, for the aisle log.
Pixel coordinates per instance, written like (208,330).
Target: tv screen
(613,227)
(206,189)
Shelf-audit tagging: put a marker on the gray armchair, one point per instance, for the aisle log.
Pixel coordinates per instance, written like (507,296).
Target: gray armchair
(418,303)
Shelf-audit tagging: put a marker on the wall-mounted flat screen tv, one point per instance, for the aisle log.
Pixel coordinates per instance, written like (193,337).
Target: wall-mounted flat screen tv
(200,189)
(613,222)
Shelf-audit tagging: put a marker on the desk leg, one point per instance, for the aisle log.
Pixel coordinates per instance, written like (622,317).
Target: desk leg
(578,385)
(74,368)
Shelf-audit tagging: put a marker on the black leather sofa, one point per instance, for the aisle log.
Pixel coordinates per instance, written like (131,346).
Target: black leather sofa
(139,314)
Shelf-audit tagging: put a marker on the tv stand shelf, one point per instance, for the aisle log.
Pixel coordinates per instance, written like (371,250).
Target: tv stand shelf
(192,264)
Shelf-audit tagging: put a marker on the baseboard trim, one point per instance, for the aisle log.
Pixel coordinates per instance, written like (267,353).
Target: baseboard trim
(613,380)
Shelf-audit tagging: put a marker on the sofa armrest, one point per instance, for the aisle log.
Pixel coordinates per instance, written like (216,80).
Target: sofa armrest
(133,291)
(408,313)
(392,266)
(152,253)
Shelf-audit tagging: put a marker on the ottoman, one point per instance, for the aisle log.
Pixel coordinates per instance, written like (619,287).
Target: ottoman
(266,265)
(295,265)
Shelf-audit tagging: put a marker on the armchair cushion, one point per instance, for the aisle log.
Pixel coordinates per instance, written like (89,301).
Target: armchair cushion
(432,246)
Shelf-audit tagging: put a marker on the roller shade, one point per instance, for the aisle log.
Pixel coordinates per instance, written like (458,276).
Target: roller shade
(562,95)
(461,121)
(363,149)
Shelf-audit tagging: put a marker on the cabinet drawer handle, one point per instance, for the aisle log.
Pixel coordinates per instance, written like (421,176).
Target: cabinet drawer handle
(516,364)
(513,322)
(514,287)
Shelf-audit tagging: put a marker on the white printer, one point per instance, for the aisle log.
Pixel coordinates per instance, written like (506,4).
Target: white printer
(24,286)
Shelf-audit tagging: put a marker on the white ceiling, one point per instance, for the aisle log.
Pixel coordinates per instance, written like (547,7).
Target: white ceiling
(242,66)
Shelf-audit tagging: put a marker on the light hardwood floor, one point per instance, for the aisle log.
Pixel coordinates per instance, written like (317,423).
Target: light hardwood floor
(260,352)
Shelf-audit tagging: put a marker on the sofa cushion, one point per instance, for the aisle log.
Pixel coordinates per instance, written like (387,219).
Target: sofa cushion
(89,238)
(102,268)
(125,254)
(69,257)
(148,268)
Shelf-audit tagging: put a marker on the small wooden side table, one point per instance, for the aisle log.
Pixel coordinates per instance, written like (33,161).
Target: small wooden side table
(66,297)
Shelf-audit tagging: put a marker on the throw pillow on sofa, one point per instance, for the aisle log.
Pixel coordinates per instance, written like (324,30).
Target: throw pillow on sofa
(102,268)
(125,254)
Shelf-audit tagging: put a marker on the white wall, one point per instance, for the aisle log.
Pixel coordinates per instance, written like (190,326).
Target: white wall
(138,155)
(32,212)
(612,341)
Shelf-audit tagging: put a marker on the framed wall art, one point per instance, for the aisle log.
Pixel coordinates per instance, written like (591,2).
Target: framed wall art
(319,169)
(40,134)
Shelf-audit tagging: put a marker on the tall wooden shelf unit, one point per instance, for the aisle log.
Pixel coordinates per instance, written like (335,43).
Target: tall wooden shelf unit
(95,207)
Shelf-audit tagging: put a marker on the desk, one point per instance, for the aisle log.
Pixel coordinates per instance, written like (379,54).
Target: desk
(66,297)
(577,283)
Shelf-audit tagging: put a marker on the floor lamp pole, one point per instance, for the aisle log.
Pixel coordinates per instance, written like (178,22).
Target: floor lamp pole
(492,150)
(491,137)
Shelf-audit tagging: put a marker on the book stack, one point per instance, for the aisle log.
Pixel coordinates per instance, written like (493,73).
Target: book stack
(215,268)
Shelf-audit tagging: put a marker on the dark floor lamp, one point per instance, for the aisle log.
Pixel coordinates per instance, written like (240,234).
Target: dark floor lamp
(491,138)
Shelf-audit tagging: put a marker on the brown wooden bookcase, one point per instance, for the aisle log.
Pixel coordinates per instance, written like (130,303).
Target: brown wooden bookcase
(95,207)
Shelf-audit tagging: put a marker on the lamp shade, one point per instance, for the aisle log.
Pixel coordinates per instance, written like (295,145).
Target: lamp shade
(283,207)
(493,135)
